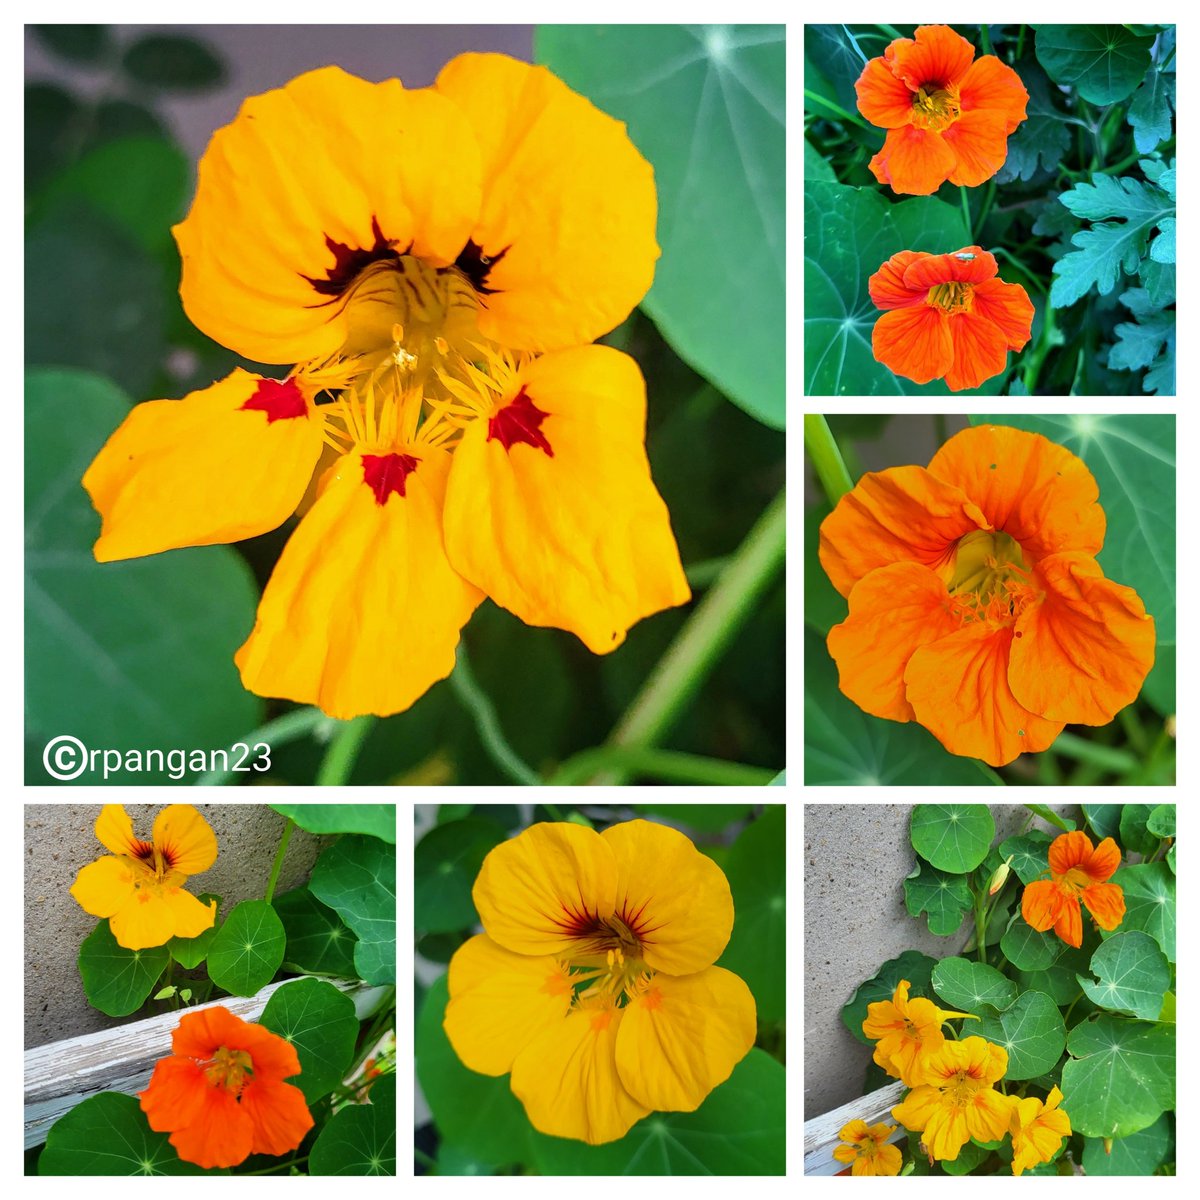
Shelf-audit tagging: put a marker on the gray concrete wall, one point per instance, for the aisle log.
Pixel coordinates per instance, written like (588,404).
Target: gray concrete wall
(60,839)
(855,859)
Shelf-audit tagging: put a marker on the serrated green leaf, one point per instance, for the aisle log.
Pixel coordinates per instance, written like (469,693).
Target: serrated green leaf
(1026,948)
(318,941)
(319,1022)
(1159,281)
(1043,135)
(972,987)
(1138,1154)
(952,837)
(356,877)
(248,948)
(1139,345)
(115,980)
(1104,63)
(1031,1030)
(1149,903)
(917,968)
(945,897)
(1150,110)
(1132,975)
(1029,853)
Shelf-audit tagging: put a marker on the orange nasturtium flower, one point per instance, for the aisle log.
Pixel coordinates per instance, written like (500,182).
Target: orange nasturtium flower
(977,606)
(903,1029)
(593,983)
(947,118)
(1037,1130)
(1077,873)
(139,887)
(954,1100)
(947,316)
(221,1094)
(868,1149)
(436,262)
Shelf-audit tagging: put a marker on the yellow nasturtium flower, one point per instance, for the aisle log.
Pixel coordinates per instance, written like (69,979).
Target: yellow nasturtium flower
(904,1029)
(867,1148)
(1037,1130)
(593,983)
(139,887)
(436,262)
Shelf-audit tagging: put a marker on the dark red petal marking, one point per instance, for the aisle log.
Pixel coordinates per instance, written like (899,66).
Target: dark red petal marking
(280,399)
(349,261)
(519,421)
(387,473)
(476,266)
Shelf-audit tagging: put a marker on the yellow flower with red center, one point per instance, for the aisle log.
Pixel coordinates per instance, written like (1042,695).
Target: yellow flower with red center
(904,1029)
(593,982)
(955,1100)
(1078,874)
(868,1149)
(139,887)
(435,261)
(1037,1130)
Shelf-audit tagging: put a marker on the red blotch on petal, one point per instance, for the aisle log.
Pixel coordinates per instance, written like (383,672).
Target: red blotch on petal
(519,421)
(387,473)
(281,400)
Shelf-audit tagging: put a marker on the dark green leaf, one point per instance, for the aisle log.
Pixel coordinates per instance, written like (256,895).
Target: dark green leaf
(972,987)
(174,64)
(1133,836)
(1150,110)
(815,166)
(118,981)
(969,1157)
(445,864)
(1043,135)
(377,820)
(318,942)
(1030,854)
(1104,820)
(1149,903)
(945,897)
(952,837)
(357,878)
(915,967)
(78,43)
(1133,975)
(1026,948)
(189,953)
(1138,1154)
(702,818)
(1058,981)
(1104,63)
(319,1022)
(1032,1032)
(248,948)
(53,119)
(834,58)
(361,1138)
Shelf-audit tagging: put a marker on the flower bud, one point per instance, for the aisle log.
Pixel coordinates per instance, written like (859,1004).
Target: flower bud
(999,875)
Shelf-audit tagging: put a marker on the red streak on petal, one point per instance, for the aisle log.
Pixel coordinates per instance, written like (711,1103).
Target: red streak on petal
(519,421)
(387,473)
(281,400)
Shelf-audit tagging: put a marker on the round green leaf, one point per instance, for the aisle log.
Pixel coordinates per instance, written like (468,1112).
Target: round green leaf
(952,837)
(1108,1049)
(118,981)
(1058,981)
(189,953)
(1103,819)
(1104,63)
(946,898)
(969,1157)
(1149,903)
(1027,949)
(1134,837)
(78,43)
(738,1130)
(248,948)
(445,864)
(1161,821)
(1138,1154)
(377,820)
(356,877)
(108,1135)
(1133,975)
(915,967)
(1033,1033)
(172,63)
(705,104)
(318,942)
(361,1138)
(1029,854)
(704,818)
(319,1022)
(970,986)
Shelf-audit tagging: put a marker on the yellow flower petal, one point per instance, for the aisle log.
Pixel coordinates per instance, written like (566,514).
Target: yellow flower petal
(946,1133)
(499,1002)
(103,887)
(191,917)
(114,830)
(186,840)
(148,919)
(845,1154)
(914,1111)
(683,1036)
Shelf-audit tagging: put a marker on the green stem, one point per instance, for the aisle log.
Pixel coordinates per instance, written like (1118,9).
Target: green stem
(487,724)
(1071,1006)
(940,432)
(966,207)
(288,728)
(981,923)
(984,39)
(286,1166)
(338,763)
(836,109)
(989,195)
(668,766)
(1107,758)
(1016,263)
(1166,62)
(285,837)
(1020,42)
(826,458)
(703,574)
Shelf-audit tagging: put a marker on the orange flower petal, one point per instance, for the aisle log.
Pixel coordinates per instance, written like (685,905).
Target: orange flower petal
(938,56)
(1034,490)
(882,98)
(1069,850)
(980,145)
(220,1134)
(991,85)
(278,1115)
(959,691)
(915,162)
(1106,902)
(931,269)
(980,351)
(1085,650)
(175,1094)
(1040,904)
(914,342)
(893,611)
(888,287)
(1104,861)
(1069,925)
(903,514)
(1007,306)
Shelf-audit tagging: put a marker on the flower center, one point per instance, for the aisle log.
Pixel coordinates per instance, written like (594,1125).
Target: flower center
(935,108)
(228,1069)
(988,577)
(1074,881)
(953,297)
(960,1088)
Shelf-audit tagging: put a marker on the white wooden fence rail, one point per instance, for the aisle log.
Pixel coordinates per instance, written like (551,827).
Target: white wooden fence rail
(821,1133)
(60,1075)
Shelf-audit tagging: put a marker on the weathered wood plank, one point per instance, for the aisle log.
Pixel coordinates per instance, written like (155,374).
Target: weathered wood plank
(821,1133)
(60,1075)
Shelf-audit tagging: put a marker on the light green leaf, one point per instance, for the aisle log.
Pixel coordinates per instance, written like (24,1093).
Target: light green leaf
(1161,821)
(1138,1154)
(705,104)
(1026,948)
(1107,1049)
(1104,63)
(360,1139)
(318,941)
(945,897)
(1029,853)
(118,981)
(1133,975)
(189,953)
(319,1021)
(1149,903)
(1033,1033)
(356,877)
(248,948)
(952,837)
(1051,817)
(377,820)
(1150,110)
(971,986)
(915,967)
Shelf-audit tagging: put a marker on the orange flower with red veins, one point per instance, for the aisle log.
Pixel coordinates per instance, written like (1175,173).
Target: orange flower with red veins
(947,316)
(1078,873)
(977,606)
(947,117)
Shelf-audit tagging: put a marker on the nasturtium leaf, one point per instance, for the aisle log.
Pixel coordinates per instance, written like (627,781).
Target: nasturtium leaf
(1029,853)
(79,43)
(1120,1077)
(378,820)
(971,986)
(969,1157)
(356,877)
(360,1139)
(1161,821)
(824,605)
(1149,903)
(945,897)
(1032,1031)
(1051,817)
(1104,820)
(1171,859)
(834,56)
(705,105)
(453,1159)
(118,981)
(815,166)
(1133,975)
(189,953)
(917,968)
(757,878)
(738,1130)
(1138,1154)
(1150,110)
(952,837)
(318,941)
(1166,1014)
(108,1134)
(445,864)
(248,948)
(1134,837)
(1058,981)
(1026,948)
(703,818)
(173,63)
(1104,63)
(319,1022)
